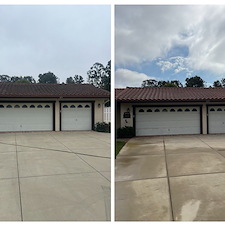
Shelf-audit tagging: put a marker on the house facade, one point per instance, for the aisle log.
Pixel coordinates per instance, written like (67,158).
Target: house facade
(50,107)
(171,110)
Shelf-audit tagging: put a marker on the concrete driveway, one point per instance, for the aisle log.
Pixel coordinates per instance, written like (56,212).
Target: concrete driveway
(171,178)
(55,176)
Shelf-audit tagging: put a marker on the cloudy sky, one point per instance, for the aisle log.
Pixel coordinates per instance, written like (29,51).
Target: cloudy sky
(169,43)
(63,39)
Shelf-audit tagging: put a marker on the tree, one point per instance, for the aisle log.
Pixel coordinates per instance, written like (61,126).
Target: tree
(100,76)
(149,83)
(78,79)
(30,79)
(194,82)
(217,84)
(5,78)
(69,80)
(177,83)
(161,83)
(48,78)
(106,80)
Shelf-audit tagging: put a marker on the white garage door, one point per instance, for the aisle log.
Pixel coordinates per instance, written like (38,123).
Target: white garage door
(26,116)
(167,120)
(216,119)
(76,116)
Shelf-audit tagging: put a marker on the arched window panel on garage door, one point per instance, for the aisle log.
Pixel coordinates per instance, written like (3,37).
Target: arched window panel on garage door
(167,121)
(39,106)
(76,116)
(24,116)
(2,106)
(216,119)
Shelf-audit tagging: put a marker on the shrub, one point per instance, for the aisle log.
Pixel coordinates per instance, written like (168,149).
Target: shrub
(102,127)
(125,132)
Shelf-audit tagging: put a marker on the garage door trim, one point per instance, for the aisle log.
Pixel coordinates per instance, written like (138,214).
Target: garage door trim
(92,111)
(160,106)
(52,102)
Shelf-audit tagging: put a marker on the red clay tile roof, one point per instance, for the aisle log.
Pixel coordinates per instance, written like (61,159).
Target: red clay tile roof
(170,94)
(51,90)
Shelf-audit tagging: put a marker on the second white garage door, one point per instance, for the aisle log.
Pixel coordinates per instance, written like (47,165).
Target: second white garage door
(76,116)
(167,120)
(216,119)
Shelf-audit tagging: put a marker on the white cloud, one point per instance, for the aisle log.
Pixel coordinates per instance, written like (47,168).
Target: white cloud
(129,78)
(176,64)
(145,33)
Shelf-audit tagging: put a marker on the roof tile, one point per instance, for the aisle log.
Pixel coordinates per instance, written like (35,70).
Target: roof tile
(141,94)
(51,90)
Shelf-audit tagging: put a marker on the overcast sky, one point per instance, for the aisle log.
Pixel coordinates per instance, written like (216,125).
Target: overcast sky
(63,39)
(169,43)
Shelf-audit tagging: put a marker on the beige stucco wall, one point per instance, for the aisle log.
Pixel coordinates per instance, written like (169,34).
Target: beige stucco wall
(98,106)
(129,122)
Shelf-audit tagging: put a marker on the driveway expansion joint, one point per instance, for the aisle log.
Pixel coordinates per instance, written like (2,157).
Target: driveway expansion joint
(18,174)
(168,180)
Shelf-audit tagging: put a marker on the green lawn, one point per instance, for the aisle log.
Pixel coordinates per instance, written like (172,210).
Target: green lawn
(119,145)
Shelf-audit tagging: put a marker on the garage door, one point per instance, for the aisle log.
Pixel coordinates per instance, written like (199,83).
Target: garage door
(26,116)
(76,116)
(167,120)
(216,119)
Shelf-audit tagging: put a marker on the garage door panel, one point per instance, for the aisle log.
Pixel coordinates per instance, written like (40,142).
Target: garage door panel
(76,116)
(19,118)
(216,119)
(167,120)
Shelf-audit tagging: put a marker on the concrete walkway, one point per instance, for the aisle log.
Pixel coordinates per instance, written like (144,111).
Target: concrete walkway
(55,176)
(171,178)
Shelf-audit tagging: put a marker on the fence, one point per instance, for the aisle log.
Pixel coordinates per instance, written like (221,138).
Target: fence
(107,114)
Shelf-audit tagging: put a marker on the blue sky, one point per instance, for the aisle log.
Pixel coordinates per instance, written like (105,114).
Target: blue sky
(64,39)
(169,43)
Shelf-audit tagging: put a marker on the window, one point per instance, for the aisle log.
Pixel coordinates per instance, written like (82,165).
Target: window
(157,110)
(187,110)
(79,106)
(32,106)
(39,106)
(72,106)
(165,110)
(65,106)
(24,106)
(47,106)
(149,110)
(219,109)
(180,110)
(87,106)
(141,110)
(194,110)
(172,110)
(212,110)
(1,106)
(16,106)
